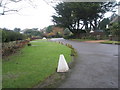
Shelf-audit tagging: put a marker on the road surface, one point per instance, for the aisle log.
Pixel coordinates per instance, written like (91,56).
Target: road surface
(96,66)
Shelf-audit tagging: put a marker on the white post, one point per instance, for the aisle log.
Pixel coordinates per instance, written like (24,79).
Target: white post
(44,38)
(62,64)
(91,31)
(107,26)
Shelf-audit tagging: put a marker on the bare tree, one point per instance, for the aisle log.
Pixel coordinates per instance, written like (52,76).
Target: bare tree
(5,6)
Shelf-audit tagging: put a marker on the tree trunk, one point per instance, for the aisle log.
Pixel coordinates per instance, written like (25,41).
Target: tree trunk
(86,24)
(78,24)
(95,22)
(92,25)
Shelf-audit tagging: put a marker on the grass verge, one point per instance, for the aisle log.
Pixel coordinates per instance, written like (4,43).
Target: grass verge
(81,40)
(111,42)
(33,64)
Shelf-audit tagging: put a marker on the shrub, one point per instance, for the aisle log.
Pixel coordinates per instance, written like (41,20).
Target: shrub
(114,29)
(11,47)
(69,36)
(9,35)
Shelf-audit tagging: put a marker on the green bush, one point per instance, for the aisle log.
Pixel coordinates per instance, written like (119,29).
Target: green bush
(9,48)
(69,36)
(115,29)
(91,37)
(9,35)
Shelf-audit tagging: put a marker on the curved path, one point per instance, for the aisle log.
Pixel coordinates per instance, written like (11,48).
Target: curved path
(96,66)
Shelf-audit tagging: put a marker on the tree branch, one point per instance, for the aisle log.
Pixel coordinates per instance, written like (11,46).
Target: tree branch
(6,9)
(15,1)
(82,27)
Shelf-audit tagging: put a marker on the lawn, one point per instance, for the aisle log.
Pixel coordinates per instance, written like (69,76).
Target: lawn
(111,42)
(33,64)
(81,40)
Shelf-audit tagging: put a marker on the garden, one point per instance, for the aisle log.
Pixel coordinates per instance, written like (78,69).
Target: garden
(33,64)
(27,61)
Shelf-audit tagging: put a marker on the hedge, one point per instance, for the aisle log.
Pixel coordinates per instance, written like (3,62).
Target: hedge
(9,35)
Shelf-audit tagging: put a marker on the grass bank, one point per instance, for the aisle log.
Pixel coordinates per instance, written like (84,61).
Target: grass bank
(111,42)
(81,40)
(33,64)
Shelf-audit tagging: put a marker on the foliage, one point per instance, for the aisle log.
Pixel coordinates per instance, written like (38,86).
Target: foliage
(9,48)
(70,36)
(103,23)
(76,15)
(115,29)
(57,32)
(67,31)
(54,31)
(33,32)
(49,29)
(33,65)
(17,30)
(9,35)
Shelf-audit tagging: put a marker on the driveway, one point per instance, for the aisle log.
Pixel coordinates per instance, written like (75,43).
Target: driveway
(96,66)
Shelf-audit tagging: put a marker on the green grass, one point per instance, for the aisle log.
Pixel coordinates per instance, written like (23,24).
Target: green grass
(33,64)
(111,42)
(81,40)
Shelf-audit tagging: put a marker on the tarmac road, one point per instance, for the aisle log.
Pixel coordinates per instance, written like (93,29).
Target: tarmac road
(96,66)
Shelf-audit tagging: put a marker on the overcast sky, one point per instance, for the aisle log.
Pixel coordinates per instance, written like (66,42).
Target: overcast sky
(30,17)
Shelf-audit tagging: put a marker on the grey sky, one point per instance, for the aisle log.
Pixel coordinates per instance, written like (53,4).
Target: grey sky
(29,17)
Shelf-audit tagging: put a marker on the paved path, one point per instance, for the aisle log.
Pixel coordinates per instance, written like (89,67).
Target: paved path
(96,66)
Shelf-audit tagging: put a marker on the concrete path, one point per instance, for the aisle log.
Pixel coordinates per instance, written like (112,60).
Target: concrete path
(96,66)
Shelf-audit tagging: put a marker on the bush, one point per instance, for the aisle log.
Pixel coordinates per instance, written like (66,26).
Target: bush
(9,35)
(69,37)
(114,29)
(11,47)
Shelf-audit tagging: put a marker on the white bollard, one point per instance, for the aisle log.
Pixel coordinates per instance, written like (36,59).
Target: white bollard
(62,64)
(44,37)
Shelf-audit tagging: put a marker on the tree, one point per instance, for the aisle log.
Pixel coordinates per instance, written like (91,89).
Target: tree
(77,16)
(33,32)
(35,29)
(67,31)
(17,29)
(49,28)
(5,6)
(115,29)
(9,35)
(103,23)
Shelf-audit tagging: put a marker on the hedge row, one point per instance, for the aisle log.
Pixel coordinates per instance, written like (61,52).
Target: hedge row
(9,35)
(12,47)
